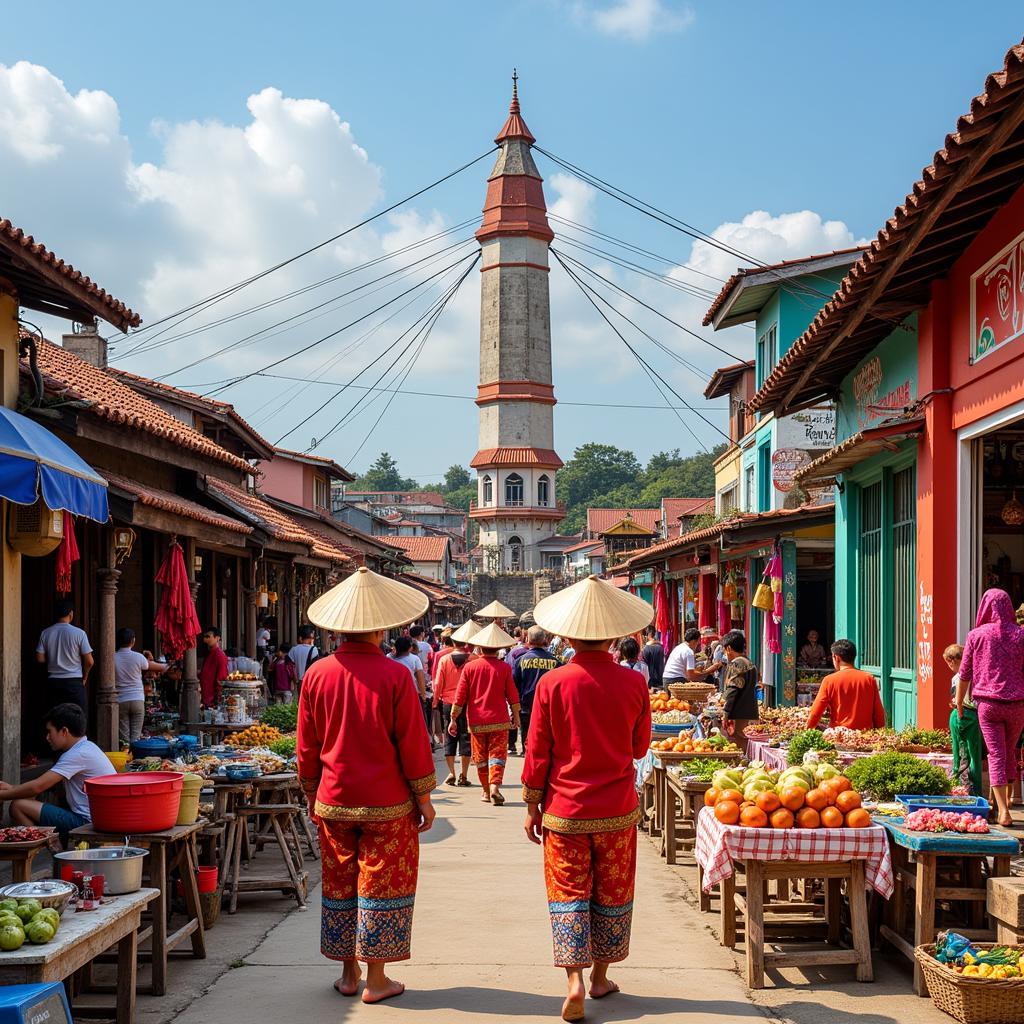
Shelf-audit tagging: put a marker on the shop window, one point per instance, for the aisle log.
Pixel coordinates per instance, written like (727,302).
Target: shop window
(904,564)
(488,490)
(767,353)
(515,554)
(764,478)
(514,490)
(543,491)
(749,481)
(321,492)
(869,611)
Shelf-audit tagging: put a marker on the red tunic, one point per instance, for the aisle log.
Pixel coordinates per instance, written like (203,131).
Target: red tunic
(212,674)
(590,719)
(486,691)
(446,679)
(362,745)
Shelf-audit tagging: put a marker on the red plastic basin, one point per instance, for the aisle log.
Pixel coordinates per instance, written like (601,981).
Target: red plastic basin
(135,802)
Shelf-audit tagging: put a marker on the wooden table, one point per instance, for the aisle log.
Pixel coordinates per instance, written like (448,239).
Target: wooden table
(21,855)
(215,730)
(169,850)
(662,760)
(79,940)
(683,800)
(946,866)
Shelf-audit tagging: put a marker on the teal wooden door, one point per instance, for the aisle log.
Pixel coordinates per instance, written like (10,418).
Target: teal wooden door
(869,590)
(904,604)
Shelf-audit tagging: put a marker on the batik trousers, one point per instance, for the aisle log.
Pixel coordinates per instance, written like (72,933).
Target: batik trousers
(490,752)
(369,886)
(590,879)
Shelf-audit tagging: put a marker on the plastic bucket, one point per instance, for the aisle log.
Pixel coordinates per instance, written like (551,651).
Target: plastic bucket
(118,758)
(135,802)
(206,879)
(188,808)
(152,748)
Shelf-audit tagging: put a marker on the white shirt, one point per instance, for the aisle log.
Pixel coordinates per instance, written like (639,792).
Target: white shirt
(413,664)
(128,668)
(63,645)
(76,766)
(638,666)
(680,662)
(262,637)
(300,655)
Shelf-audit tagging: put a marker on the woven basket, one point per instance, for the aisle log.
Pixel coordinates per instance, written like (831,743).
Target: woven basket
(972,1000)
(209,903)
(693,693)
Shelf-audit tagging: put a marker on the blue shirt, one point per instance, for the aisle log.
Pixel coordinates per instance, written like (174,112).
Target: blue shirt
(533,663)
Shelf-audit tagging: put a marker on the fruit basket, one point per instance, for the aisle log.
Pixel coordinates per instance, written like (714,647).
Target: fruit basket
(971,1000)
(692,693)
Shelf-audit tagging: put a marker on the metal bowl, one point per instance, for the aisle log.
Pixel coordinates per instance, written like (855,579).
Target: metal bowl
(120,866)
(50,893)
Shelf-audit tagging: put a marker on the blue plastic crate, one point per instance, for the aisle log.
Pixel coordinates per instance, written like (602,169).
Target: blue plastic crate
(32,1004)
(671,728)
(917,802)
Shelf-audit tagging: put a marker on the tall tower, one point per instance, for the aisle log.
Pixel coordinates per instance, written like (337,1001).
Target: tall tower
(516,464)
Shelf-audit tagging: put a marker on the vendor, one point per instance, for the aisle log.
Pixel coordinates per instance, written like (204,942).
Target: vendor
(214,670)
(812,654)
(849,695)
(79,760)
(129,667)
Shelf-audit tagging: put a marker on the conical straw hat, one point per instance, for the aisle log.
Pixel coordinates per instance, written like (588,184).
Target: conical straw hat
(493,638)
(592,610)
(365,602)
(495,610)
(465,633)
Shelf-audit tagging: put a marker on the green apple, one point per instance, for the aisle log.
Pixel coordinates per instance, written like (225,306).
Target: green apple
(11,938)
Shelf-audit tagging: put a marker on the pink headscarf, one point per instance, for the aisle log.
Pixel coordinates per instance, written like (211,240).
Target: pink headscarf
(993,661)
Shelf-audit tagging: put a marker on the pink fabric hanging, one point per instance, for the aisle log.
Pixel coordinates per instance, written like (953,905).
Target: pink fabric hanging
(67,554)
(773,622)
(663,613)
(176,617)
(724,617)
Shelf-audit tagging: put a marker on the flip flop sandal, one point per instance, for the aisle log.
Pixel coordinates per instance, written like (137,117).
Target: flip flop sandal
(450,781)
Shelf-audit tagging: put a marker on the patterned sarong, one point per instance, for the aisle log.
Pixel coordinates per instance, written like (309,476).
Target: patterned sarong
(369,887)
(590,879)
(490,751)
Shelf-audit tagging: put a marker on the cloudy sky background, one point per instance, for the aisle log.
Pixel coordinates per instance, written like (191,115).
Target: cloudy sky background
(171,153)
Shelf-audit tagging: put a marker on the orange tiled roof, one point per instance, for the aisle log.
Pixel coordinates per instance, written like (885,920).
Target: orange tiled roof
(154,497)
(323,544)
(583,545)
(259,512)
(543,458)
(601,519)
(114,401)
(421,549)
(333,467)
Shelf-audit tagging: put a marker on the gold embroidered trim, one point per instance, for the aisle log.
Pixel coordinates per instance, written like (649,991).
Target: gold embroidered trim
(532,796)
(424,785)
(330,812)
(497,727)
(309,785)
(583,825)
(456,710)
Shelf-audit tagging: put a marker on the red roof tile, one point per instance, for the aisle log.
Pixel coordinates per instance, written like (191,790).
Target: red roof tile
(676,507)
(401,497)
(259,512)
(317,460)
(601,519)
(114,401)
(154,497)
(543,458)
(24,250)
(583,545)
(422,549)
(724,379)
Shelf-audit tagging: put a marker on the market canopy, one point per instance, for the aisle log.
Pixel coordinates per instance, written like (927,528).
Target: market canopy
(856,449)
(34,462)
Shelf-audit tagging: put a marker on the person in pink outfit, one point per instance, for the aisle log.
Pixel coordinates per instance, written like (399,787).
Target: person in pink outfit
(992,670)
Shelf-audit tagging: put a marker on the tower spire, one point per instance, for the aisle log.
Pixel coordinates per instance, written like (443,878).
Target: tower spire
(514,127)
(513,107)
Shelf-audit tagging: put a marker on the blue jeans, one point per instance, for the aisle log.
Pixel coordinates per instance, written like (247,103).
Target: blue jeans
(61,819)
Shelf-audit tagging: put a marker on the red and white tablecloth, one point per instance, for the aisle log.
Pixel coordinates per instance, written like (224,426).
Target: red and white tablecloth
(718,846)
(774,758)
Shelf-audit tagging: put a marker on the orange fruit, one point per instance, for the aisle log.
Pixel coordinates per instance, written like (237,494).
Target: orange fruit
(831,790)
(727,812)
(768,801)
(831,817)
(679,747)
(792,798)
(730,794)
(858,818)
(753,817)
(808,817)
(816,798)
(711,796)
(848,800)
(841,782)
(782,818)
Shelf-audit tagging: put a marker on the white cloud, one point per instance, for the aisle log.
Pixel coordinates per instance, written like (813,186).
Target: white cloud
(636,20)
(575,199)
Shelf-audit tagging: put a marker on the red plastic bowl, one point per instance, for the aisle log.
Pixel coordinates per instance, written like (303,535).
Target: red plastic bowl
(135,802)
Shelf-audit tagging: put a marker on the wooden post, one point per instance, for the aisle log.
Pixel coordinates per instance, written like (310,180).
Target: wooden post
(251,614)
(190,695)
(104,681)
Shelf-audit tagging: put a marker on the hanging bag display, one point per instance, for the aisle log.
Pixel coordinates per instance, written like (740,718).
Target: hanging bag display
(763,597)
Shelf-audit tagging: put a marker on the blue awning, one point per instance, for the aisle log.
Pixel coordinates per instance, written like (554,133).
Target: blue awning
(33,461)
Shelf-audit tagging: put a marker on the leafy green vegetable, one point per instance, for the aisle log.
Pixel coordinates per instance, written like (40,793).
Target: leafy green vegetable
(809,739)
(282,716)
(284,747)
(885,775)
(701,768)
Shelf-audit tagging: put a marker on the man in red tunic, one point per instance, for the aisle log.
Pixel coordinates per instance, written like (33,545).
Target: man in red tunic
(365,764)
(590,719)
(487,692)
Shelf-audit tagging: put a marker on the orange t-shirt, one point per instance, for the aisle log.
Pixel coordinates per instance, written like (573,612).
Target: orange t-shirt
(851,699)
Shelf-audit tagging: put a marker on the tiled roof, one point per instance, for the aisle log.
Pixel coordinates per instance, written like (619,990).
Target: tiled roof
(939,218)
(724,379)
(402,497)
(439,593)
(676,507)
(722,297)
(24,252)
(323,541)
(114,401)
(165,501)
(601,519)
(422,549)
(259,512)
(583,545)
(543,458)
(335,470)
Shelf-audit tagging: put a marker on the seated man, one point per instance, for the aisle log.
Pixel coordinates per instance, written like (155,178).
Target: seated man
(79,760)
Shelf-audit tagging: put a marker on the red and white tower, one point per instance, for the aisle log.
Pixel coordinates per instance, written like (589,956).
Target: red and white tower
(516,505)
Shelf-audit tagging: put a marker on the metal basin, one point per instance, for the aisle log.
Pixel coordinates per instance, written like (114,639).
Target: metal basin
(120,866)
(49,892)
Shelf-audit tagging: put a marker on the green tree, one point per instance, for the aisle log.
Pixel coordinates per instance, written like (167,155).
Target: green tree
(383,475)
(593,470)
(689,477)
(456,478)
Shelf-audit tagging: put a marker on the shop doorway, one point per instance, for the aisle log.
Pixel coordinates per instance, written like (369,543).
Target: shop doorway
(815,611)
(1001,455)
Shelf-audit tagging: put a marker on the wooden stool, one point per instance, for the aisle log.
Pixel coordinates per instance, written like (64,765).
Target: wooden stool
(1006,908)
(281,818)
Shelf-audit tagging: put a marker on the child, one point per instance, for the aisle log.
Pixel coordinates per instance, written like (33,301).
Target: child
(283,676)
(964,729)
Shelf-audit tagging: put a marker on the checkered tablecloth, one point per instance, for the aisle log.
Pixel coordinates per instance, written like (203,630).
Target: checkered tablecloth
(774,758)
(718,846)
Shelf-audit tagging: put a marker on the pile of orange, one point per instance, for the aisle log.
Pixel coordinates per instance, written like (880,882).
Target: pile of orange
(692,746)
(833,804)
(663,702)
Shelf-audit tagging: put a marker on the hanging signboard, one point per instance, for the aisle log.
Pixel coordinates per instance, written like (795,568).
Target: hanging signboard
(997,300)
(813,430)
(785,463)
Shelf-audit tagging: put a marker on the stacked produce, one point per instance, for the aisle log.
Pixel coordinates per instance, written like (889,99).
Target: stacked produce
(258,735)
(26,919)
(778,724)
(686,744)
(799,797)
(959,954)
(285,747)
(673,718)
(700,769)
(930,819)
(810,739)
(661,700)
(881,740)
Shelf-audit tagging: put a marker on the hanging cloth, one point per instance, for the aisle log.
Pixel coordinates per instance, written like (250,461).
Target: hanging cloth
(707,605)
(67,554)
(773,621)
(663,613)
(176,618)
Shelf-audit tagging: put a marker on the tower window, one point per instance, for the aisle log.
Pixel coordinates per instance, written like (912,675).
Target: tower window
(543,491)
(515,553)
(514,489)
(488,491)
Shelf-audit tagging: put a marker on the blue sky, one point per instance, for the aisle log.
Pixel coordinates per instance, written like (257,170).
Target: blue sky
(712,111)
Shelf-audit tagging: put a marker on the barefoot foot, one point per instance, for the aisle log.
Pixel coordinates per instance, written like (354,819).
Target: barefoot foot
(573,1009)
(388,990)
(599,988)
(348,983)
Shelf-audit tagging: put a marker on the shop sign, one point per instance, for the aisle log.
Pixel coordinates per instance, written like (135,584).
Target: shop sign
(997,300)
(812,430)
(871,400)
(785,463)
